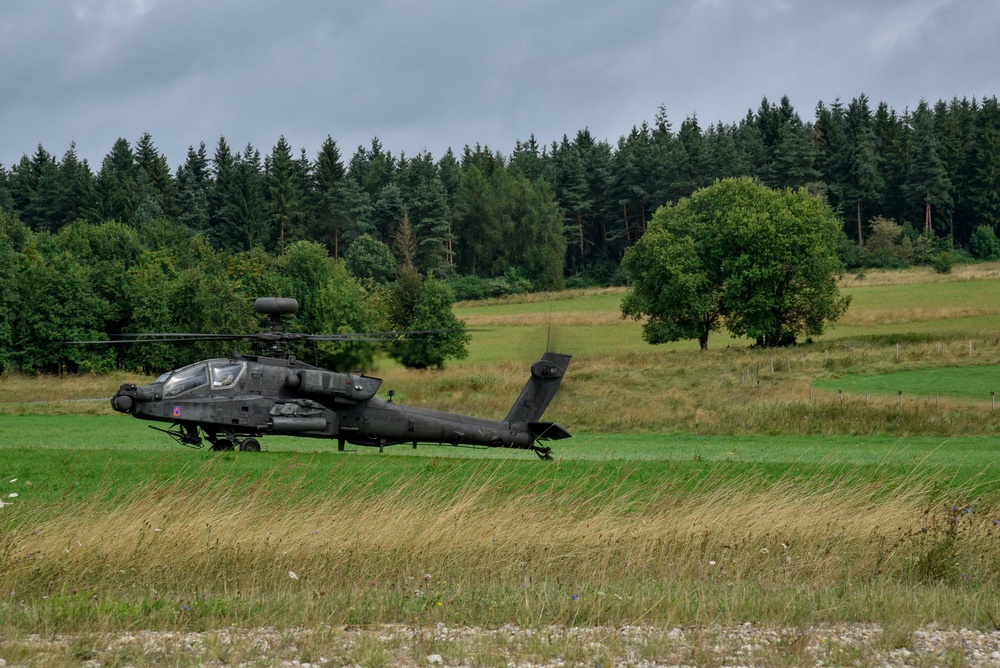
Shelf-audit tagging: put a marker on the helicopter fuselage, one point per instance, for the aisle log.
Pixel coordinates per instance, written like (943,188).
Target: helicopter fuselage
(251,396)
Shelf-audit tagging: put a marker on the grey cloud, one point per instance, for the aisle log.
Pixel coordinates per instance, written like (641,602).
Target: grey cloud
(446,72)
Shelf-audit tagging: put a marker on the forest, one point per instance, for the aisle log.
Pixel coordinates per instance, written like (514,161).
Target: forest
(135,246)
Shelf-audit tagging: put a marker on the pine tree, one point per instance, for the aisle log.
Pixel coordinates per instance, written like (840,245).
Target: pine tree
(859,183)
(35,190)
(927,180)
(328,174)
(77,199)
(892,145)
(219,194)
(984,191)
(955,126)
(285,195)
(194,187)
(722,153)
(6,201)
(526,159)
(118,183)
(157,182)
(427,205)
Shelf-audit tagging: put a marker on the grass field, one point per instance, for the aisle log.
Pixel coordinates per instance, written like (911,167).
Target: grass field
(708,488)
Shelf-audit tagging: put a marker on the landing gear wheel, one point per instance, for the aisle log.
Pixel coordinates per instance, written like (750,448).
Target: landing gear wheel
(250,445)
(223,445)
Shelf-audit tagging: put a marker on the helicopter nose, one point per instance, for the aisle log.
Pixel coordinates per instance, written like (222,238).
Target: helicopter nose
(124,400)
(123,403)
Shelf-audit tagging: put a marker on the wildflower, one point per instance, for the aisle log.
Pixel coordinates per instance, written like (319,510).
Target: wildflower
(765,551)
(712,562)
(968,510)
(573,597)
(996,522)
(440,604)
(292,575)
(427,576)
(12,495)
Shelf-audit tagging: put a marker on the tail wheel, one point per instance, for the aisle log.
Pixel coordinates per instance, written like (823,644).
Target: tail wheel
(250,445)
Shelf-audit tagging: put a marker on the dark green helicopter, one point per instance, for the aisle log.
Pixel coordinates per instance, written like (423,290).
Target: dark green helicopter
(236,400)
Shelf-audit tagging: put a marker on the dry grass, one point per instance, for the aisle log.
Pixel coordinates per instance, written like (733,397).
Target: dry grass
(196,554)
(67,394)
(983,271)
(561,319)
(543,297)
(896,316)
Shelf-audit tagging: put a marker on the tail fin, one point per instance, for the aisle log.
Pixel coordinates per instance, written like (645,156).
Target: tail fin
(546,374)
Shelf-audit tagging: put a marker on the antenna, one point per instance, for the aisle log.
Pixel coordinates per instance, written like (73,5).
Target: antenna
(548,334)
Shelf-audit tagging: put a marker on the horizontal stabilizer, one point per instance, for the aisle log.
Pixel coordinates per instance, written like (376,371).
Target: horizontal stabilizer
(548,430)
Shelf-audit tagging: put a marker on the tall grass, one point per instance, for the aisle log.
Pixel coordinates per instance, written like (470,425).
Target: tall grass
(199,554)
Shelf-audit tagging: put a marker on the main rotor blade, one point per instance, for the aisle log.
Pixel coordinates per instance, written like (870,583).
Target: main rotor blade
(376,336)
(186,337)
(174,339)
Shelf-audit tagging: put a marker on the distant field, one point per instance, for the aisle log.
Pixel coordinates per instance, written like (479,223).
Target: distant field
(973,382)
(920,302)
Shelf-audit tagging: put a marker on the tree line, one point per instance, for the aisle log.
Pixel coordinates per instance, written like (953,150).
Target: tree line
(905,185)
(550,212)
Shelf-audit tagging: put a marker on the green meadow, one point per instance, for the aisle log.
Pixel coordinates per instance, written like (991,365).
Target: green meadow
(788,488)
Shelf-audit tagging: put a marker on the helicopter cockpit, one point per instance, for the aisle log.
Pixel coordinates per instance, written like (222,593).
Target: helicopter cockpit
(224,373)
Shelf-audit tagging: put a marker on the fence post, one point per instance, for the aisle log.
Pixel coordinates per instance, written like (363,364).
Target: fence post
(993,398)
(897,351)
(900,398)
(841,393)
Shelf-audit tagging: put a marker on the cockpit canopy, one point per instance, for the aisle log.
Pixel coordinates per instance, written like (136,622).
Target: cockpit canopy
(224,373)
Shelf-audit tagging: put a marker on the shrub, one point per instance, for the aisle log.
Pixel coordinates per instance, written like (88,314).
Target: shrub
(468,288)
(944,261)
(984,244)
(886,246)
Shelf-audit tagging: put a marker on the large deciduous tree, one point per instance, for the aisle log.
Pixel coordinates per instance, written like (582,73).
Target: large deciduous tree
(762,261)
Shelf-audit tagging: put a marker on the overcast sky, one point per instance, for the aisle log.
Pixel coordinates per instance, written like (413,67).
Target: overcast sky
(434,74)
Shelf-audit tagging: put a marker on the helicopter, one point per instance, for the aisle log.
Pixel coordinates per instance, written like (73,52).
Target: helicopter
(233,402)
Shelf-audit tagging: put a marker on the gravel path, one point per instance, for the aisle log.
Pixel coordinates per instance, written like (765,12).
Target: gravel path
(511,646)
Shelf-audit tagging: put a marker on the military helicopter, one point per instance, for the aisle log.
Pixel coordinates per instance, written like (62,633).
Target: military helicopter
(232,402)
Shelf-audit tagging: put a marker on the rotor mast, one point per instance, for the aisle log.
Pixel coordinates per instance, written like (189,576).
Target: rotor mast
(276,308)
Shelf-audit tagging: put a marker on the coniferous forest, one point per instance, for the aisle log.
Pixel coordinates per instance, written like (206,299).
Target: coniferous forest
(88,252)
